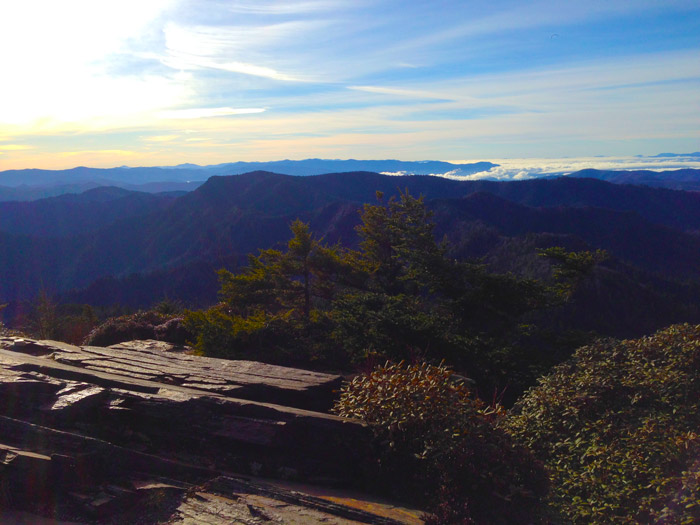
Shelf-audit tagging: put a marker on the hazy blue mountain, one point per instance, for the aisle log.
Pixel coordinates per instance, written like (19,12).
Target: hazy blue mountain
(186,173)
(103,177)
(73,214)
(681,179)
(321,166)
(662,155)
(30,193)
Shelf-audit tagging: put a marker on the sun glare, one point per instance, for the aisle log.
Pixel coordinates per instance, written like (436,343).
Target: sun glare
(60,59)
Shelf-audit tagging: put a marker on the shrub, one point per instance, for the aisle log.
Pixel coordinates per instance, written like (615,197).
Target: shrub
(439,445)
(259,336)
(617,425)
(169,306)
(141,325)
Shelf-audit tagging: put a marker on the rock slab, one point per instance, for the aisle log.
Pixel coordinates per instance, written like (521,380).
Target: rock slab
(87,432)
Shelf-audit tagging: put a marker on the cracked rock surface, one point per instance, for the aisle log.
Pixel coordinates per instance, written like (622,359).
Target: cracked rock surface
(143,432)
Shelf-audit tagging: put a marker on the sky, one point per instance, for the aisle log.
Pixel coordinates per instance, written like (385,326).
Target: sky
(161,82)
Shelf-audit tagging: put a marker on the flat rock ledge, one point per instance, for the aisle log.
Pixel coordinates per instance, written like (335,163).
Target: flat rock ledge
(172,365)
(144,432)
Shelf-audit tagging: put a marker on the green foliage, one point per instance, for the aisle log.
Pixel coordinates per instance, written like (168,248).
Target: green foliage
(439,445)
(486,302)
(398,246)
(399,296)
(276,308)
(617,426)
(572,267)
(168,306)
(418,301)
(298,280)
(390,308)
(258,335)
(381,326)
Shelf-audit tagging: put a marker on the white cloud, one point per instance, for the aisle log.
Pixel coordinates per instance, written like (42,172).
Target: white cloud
(231,48)
(518,169)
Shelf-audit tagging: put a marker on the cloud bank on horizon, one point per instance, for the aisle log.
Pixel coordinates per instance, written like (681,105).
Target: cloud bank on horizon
(518,169)
(160,82)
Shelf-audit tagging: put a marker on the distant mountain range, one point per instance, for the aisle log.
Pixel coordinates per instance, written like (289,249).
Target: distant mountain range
(673,155)
(112,245)
(32,184)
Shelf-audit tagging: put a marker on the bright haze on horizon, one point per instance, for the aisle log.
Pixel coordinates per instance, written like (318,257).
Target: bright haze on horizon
(163,82)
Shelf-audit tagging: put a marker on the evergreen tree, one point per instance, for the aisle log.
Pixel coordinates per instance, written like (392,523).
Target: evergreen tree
(398,246)
(400,296)
(277,306)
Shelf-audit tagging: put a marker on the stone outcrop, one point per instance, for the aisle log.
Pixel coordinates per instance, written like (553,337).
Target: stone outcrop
(91,433)
(166,363)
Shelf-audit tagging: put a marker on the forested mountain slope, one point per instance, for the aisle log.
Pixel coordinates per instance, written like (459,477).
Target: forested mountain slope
(681,179)
(72,214)
(153,240)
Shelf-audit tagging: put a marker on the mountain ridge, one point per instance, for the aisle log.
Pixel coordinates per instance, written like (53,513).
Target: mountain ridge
(186,173)
(23,185)
(232,216)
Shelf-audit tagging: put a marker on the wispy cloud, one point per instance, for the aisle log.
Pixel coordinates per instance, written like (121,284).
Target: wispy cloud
(226,47)
(615,72)
(208,112)
(400,92)
(252,69)
(470,22)
(285,7)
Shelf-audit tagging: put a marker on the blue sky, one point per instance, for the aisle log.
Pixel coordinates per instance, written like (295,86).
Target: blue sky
(160,82)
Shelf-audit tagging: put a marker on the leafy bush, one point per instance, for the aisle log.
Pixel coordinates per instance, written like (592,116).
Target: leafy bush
(439,445)
(259,336)
(617,426)
(141,325)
